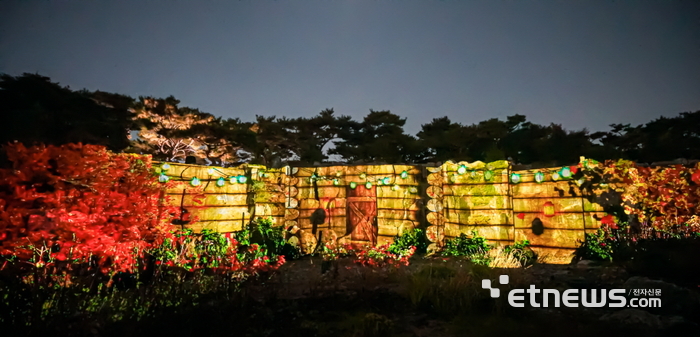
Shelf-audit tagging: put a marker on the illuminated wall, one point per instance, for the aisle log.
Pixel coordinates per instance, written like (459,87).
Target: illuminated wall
(373,203)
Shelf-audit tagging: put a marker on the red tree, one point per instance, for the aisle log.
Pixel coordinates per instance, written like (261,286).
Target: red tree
(74,202)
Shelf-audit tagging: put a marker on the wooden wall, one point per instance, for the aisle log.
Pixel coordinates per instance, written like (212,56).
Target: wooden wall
(451,199)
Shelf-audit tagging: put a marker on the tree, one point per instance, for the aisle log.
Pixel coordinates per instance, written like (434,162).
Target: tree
(378,138)
(442,140)
(37,110)
(313,134)
(166,129)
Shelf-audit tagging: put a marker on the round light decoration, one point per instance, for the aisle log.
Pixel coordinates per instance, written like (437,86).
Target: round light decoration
(363,175)
(368,185)
(462,170)
(565,172)
(488,175)
(242,179)
(210,171)
(232,180)
(336,182)
(195,181)
(386,181)
(221,182)
(353,185)
(395,188)
(453,177)
(413,189)
(404,175)
(163,178)
(380,182)
(555,176)
(515,178)
(548,209)
(165,166)
(473,174)
(539,177)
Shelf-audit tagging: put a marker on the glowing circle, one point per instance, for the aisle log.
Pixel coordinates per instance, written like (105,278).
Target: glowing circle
(515,178)
(220,182)
(566,172)
(242,179)
(353,185)
(195,181)
(462,170)
(539,177)
(163,178)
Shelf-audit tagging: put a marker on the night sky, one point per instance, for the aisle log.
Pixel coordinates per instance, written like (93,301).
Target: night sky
(575,63)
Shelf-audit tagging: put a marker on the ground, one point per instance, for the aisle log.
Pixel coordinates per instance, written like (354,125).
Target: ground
(430,297)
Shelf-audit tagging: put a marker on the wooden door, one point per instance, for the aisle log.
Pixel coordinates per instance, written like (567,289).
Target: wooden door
(362,215)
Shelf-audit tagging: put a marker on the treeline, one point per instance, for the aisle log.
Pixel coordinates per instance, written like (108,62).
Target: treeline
(36,110)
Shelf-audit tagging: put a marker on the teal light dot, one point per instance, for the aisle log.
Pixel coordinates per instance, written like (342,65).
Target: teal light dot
(368,185)
(195,181)
(462,170)
(566,172)
(386,181)
(221,182)
(353,185)
(515,178)
(163,178)
(165,166)
(242,179)
(539,177)
(404,175)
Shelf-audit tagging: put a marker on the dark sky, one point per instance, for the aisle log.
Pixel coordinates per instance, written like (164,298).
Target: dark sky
(577,63)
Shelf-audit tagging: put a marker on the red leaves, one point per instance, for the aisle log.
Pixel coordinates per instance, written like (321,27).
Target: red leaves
(665,197)
(84,198)
(695,177)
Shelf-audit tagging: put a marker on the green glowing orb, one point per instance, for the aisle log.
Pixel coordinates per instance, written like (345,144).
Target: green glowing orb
(515,178)
(539,177)
(462,170)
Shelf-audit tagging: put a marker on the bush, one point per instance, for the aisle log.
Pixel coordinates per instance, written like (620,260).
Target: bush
(414,237)
(521,251)
(474,248)
(80,204)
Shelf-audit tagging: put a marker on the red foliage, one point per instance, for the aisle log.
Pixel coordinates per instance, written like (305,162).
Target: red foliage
(75,201)
(667,198)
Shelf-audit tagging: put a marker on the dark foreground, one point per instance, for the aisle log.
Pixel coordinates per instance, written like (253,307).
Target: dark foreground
(431,297)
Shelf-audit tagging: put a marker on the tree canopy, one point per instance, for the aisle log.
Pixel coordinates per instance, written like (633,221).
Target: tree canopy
(36,110)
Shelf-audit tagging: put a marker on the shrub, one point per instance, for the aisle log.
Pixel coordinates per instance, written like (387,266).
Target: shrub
(414,237)
(521,252)
(474,248)
(80,204)
(382,256)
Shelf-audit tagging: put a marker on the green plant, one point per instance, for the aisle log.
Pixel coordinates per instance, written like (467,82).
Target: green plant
(596,246)
(269,238)
(414,237)
(521,251)
(474,248)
